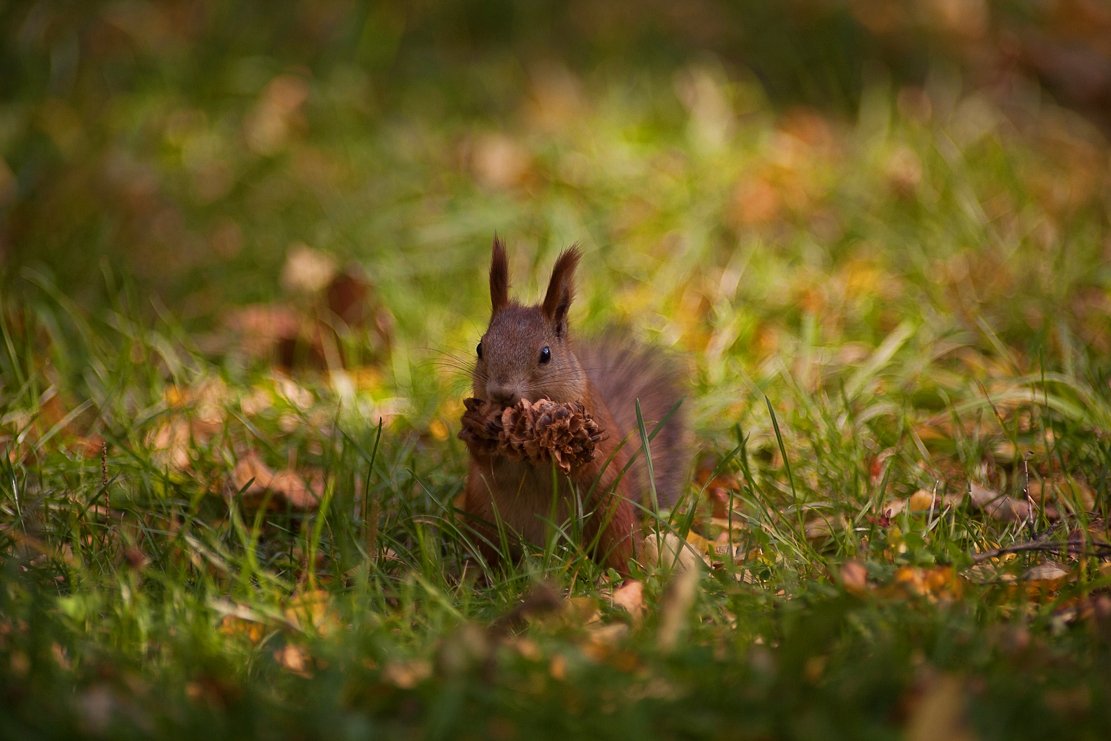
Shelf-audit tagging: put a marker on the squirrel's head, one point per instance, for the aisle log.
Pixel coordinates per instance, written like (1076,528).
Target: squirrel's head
(526,351)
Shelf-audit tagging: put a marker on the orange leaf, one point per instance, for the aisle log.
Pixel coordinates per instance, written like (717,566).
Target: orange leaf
(934,583)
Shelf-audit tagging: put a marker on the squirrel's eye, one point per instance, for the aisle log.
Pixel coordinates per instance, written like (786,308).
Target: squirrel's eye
(545,354)
(479,350)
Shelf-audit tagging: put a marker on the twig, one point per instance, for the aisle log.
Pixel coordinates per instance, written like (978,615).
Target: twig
(1093,549)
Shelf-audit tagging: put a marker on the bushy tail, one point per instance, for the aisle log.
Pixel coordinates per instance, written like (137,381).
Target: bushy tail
(623,372)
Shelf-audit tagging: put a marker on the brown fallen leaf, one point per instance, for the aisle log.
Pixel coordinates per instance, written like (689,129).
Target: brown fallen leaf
(823,526)
(253,480)
(921,501)
(1074,494)
(999,506)
(854,577)
(195,415)
(1048,573)
(308,331)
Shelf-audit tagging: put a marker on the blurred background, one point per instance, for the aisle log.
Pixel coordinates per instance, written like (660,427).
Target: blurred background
(188,148)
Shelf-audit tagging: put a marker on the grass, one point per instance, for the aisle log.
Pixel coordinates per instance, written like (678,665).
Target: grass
(879,310)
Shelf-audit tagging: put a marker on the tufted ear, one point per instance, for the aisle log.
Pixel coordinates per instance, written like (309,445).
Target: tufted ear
(561,289)
(499,277)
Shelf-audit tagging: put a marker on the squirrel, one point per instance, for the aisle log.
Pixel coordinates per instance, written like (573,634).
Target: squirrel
(527,353)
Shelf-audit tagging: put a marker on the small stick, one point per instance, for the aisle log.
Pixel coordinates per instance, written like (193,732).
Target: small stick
(1097,549)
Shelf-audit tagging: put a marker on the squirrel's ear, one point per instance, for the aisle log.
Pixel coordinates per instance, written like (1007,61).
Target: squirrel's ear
(499,276)
(561,289)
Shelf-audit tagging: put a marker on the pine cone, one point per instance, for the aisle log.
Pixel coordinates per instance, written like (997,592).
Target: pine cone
(536,432)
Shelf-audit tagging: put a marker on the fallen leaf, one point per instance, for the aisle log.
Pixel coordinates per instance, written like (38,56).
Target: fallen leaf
(265,332)
(557,667)
(438,430)
(669,551)
(253,480)
(630,597)
(998,506)
(312,610)
(406,674)
(1092,608)
(854,577)
(234,625)
(170,444)
(823,527)
(921,501)
(934,583)
(675,606)
(307,270)
(601,639)
(582,610)
(1076,495)
(294,659)
(703,546)
(194,416)
(1048,573)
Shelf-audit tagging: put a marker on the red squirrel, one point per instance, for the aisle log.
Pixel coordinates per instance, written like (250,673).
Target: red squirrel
(527,353)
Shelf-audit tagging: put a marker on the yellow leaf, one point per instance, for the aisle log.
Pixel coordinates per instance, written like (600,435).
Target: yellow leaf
(920,501)
(934,583)
(312,610)
(438,430)
(232,625)
(583,610)
(701,544)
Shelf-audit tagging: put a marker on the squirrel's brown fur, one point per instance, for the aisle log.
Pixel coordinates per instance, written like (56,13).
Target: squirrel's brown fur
(527,353)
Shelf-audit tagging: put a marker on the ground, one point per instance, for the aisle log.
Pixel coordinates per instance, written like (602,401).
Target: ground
(242,264)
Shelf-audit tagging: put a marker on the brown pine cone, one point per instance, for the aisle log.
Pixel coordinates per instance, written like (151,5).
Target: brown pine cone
(537,432)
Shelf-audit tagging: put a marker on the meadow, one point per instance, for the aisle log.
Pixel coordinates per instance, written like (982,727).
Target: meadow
(243,260)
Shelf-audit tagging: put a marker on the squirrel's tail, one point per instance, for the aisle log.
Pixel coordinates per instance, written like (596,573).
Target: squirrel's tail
(622,372)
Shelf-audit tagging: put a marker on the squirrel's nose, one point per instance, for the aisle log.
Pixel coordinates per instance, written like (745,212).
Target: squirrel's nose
(507,396)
